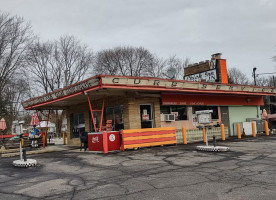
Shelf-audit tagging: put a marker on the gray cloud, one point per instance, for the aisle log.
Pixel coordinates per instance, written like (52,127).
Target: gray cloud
(244,31)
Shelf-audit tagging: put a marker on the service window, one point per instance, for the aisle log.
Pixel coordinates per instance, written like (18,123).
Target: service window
(115,114)
(179,111)
(78,125)
(213,108)
(96,120)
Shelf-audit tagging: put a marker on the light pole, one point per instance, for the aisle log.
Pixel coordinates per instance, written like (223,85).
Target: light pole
(254,75)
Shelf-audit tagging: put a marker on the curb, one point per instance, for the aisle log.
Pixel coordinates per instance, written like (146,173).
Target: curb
(9,151)
(7,155)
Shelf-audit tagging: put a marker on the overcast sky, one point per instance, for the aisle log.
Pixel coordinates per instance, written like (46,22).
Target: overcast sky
(243,31)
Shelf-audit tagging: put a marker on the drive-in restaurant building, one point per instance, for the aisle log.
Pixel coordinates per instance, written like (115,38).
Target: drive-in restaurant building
(146,102)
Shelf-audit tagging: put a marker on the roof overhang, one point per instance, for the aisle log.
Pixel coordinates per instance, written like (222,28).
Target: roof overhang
(107,85)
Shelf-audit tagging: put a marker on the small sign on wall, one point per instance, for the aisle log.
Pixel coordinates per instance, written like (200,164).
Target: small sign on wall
(145,116)
(195,120)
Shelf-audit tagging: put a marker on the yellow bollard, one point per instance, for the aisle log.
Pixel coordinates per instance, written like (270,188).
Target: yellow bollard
(63,135)
(22,142)
(43,139)
(266,128)
(253,130)
(184,135)
(222,132)
(239,131)
(204,135)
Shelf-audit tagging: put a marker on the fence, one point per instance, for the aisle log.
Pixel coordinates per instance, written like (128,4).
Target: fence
(196,135)
(14,144)
(134,138)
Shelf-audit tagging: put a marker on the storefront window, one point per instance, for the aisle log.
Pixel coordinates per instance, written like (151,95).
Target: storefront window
(96,120)
(179,111)
(165,110)
(116,115)
(78,124)
(213,108)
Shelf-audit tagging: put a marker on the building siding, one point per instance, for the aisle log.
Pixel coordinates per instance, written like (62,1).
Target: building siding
(241,113)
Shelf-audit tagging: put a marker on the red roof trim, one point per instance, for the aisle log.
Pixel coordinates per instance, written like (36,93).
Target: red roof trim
(60,99)
(98,76)
(160,88)
(182,90)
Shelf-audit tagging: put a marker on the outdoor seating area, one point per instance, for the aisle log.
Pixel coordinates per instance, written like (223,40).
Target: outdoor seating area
(14,143)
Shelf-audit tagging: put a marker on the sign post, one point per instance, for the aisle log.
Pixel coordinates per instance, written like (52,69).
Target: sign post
(204,117)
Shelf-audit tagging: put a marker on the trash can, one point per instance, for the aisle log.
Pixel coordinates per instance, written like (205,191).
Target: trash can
(95,141)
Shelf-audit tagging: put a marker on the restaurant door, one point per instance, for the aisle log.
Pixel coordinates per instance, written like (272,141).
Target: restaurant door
(225,116)
(146,114)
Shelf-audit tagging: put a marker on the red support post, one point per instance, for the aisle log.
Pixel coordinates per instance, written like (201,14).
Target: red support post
(123,143)
(46,131)
(43,139)
(102,114)
(47,121)
(42,134)
(105,142)
(37,117)
(91,110)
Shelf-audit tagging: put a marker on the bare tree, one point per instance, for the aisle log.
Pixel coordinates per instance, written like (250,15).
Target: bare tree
(126,61)
(137,61)
(265,81)
(177,65)
(56,64)
(235,76)
(105,63)
(157,68)
(15,37)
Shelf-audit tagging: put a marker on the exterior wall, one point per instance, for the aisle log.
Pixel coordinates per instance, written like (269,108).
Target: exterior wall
(131,112)
(77,109)
(241,113)
(188,124)
(179,124)
(84,108)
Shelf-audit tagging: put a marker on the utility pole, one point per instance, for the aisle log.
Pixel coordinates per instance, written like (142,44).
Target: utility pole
(254,75)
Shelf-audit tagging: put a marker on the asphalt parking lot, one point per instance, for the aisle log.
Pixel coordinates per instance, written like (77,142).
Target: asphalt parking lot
(247,171)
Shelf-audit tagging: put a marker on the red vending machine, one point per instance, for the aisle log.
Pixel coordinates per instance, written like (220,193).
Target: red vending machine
(95,141)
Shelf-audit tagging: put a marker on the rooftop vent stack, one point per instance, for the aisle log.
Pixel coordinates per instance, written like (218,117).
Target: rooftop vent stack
(216,56)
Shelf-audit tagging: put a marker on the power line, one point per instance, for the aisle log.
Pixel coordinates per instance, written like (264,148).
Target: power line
(266,73)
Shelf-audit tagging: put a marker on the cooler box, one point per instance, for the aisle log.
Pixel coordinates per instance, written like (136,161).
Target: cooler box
(95,141)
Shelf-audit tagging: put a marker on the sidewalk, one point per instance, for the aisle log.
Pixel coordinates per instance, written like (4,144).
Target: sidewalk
(50,148)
